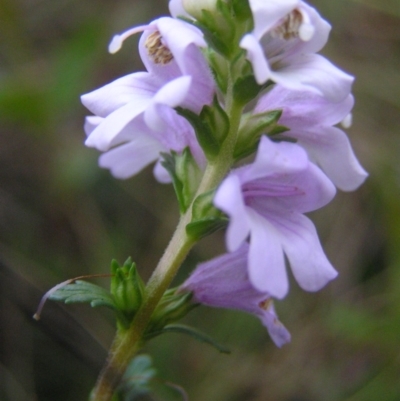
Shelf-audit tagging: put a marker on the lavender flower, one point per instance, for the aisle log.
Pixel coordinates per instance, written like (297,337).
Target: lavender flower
(310,119)
(223,282)
(266,200)
(282,47)
(135,113)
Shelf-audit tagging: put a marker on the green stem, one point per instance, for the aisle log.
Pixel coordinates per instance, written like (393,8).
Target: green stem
(128,342)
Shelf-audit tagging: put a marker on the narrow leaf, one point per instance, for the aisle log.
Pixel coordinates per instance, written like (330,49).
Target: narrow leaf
(196,334)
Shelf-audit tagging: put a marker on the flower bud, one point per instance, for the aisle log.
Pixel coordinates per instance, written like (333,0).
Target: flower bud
(195,7)
(127,288)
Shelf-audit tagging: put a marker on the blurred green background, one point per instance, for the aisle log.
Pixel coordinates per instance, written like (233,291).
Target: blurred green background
(61,216)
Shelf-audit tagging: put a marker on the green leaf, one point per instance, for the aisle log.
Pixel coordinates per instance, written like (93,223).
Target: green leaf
(218,121)
(204,134)
(84,292)
(242,11)
(196,334)
(246,89)
(185,174)
(201,228)
(251,130)
(206,218)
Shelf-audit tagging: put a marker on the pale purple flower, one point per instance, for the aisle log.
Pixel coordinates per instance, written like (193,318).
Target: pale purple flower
(311,119)
(266,201)
(135,112)
(282,47)
(223,282)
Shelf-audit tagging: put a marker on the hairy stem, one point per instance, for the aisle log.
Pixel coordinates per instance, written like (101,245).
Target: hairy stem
(128,342)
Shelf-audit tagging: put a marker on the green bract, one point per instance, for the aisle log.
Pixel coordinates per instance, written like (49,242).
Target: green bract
(206,218)
(185,175)
(252,127)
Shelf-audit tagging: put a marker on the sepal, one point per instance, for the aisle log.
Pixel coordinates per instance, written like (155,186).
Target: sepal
(185,174)
(206,218)
(172,307)
(252,128)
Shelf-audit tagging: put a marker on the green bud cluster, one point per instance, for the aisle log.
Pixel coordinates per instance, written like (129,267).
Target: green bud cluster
(127,289)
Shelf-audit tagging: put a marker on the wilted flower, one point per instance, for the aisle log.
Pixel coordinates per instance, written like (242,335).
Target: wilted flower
(311,119)
(266,201)
(223,282)
(136,111)
(282,47)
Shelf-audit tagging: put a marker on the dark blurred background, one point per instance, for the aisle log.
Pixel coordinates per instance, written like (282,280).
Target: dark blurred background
(61,217)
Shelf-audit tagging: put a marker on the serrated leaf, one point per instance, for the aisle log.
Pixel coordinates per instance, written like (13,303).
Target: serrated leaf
(196,334)
(84,292)
(137,377)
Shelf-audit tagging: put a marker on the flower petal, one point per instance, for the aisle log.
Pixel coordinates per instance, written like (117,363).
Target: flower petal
(255,54)
(91,122)
(103,135)
(300,242)
(303,108)
(267,270)
(107,99)
(171,94)
(331,149)
(176,9)
(278,332)
(127,160)
(229,199)
(274,158)
(161,173)
(316,73)
(266,14)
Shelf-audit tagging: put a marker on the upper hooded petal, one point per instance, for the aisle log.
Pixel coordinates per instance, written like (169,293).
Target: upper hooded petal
(274,158)
(303,191)
(266,14)
(302,109)
(183,41)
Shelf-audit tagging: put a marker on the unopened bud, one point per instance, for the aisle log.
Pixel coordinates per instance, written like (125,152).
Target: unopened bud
(195,7)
